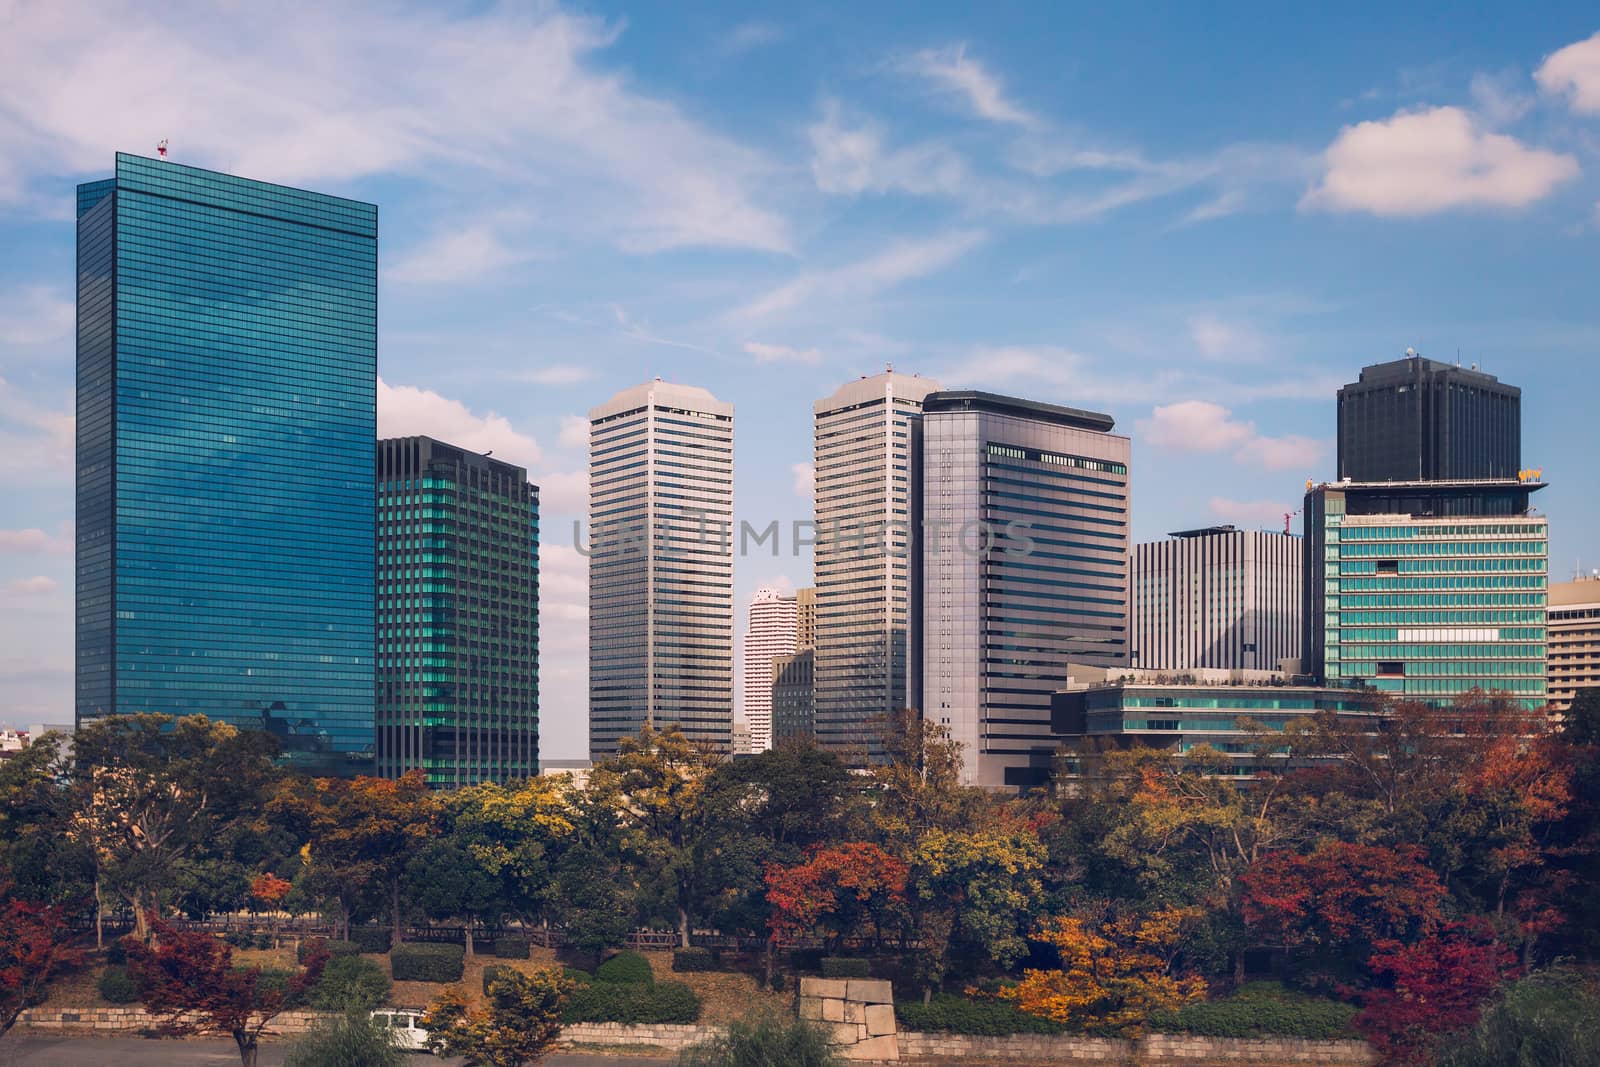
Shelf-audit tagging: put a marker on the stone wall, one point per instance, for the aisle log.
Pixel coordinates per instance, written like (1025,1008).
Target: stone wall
(858,1011)
(1155,1050)
(670,1036)
(134,1019)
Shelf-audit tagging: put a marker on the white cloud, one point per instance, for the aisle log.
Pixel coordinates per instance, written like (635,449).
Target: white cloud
(1070,374)
(34,541)
(36,443)
(805,479)
(951,70)
(748,36)
(558,374)
(1498,99)
(1226,341)
(35,314)
(562,494)
(850,159)
(38,585)
(639,331)
(769,353)
(574,432)
(461,256)
(1421,162)
(1201,426)
(1267,514)
(1573,73)
(405,409)
(499,99)
(902,261)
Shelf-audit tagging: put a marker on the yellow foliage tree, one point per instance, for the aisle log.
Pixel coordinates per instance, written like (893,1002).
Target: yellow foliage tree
(1113,974)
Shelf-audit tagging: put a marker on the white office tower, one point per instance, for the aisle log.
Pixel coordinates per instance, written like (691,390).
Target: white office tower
(660,565)
(865,511)
(1024,570)
(1217,598)
(772,632)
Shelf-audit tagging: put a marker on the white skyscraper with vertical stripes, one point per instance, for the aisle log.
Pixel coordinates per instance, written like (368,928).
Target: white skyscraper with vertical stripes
(772,632)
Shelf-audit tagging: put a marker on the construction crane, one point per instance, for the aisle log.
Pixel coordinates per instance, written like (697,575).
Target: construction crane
(1288,517)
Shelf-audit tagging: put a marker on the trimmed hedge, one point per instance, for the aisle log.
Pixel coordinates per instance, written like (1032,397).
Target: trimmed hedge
(1261,1009)
(350,983)
(686,960)
(626,968)
(950,1014)
(841,967)
(374,939)
(633,1003)
(808,960)
(117,986)
(511,948)
(336,950)
(427,963)
(575,974)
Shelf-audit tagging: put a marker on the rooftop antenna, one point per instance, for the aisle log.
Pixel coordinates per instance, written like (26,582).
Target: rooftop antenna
(161,148)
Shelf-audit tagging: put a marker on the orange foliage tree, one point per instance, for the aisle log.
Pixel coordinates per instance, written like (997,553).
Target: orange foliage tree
(1113,973)
(838,891)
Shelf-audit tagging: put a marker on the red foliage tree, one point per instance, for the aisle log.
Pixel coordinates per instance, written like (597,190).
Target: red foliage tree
(190,983)
(838,889)
(1343,898)
(34,949)
(1431,988)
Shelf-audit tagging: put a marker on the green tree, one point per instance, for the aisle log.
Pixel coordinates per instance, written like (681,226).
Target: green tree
(591,901)
(918,787)
(444,881)
(520,1023)
(516,832)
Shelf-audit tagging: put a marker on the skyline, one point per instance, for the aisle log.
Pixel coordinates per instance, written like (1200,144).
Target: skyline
(811,200)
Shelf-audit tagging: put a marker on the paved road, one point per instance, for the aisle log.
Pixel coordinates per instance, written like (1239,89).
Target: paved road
(142,1052)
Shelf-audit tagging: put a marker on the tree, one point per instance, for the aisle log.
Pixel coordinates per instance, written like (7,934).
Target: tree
(35,948)
(1338,902)
(153,789)
(656,784)
(839,890)
(520,1023)
(1114,971)
(444,881)
(976,890)
(918,787)
(591,901)
(188,981)
(516,833)
(353,1039)
(43,859)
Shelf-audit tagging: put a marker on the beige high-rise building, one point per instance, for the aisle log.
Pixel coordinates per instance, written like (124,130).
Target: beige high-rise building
(805,618)
(771,634)
(660,565)
(866,509)
(1573,640)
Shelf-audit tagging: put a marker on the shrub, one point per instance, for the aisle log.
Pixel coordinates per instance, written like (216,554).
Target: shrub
(617,1002)
(836,967)
(116,953)
(117,986)
(264,941)
(493,971)
(511,948)
(427,963)
(239,938)
(1548,1018)
(950,1014)
(336,949)
(350,983)
(574,974)
(806,960)
(374,939)
(352,1038)
(686,960)
(764,1040)
(1260,1009)
(627,968)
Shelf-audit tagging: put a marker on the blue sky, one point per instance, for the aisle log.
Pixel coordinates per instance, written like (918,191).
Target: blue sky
(1199,218)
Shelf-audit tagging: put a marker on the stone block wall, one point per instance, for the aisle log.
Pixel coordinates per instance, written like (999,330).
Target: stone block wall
(670,1036)
(1153,1050)
(859,1012)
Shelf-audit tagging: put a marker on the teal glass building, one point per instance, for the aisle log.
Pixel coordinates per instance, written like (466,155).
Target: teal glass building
(1427,590)
(458,615)
(226,427)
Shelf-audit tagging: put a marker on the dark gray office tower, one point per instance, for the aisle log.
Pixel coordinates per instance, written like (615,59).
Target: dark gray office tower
(1418,420)
(458,615)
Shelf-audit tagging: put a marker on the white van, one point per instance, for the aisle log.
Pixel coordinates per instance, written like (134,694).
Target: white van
(406,1025)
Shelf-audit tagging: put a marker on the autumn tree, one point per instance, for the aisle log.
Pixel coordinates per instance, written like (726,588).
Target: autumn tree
(516,833)
(974,891)
(839,890)
(189,982)
(656,784)
(1115,970)
(519,1024)
(35,948)
(917,786)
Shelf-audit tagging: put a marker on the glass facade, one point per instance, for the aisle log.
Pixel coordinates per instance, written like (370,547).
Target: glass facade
(227,361)
(1427,607)
(458,632)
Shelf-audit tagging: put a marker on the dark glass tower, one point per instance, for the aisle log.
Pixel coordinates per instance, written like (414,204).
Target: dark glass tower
(1418,420)
(227,380)
(458,610)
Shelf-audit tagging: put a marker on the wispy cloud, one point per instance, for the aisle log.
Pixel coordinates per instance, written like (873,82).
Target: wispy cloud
(953,71)
(748,36)
(34,541)
(900,262)
(557,374)
(505,97)
(574,432)
(407,409)
(769,353)
(37,585)
(805,479)
(1201,426)
(457,256)
(1227,340)
(638,331)
(36,441)
(1437,159)
(35,315)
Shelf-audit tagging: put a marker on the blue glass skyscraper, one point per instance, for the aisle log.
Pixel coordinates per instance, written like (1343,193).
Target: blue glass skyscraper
(227,380)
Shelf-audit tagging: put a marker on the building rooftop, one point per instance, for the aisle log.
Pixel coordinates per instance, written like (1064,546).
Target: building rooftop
(1406,368)
(994,403)
(662,394)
